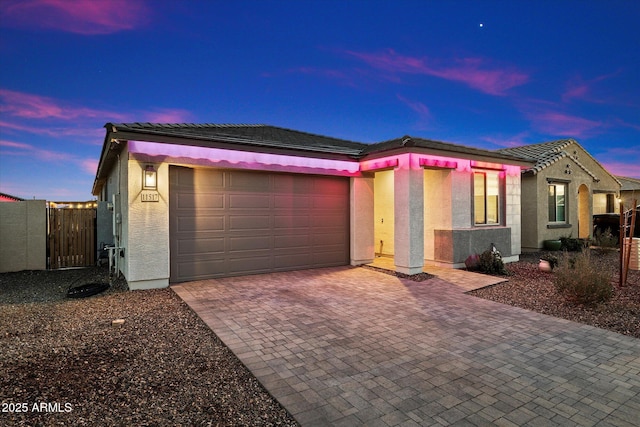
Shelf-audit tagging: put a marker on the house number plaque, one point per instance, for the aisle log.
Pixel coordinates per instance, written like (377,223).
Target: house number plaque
(150,196)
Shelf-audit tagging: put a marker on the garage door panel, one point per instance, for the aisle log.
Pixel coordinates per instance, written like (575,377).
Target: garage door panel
(201,246)
(330,238)
(292,241)
(249,201)
(249,222)
(249,243)
(194,201)
(287,222)
(297,201)
(253,182)
(200,269)
(226,223)
(200,224)
(327,221)
(330,186)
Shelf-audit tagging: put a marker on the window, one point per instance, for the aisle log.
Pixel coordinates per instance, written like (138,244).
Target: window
(486,193)
(557,202)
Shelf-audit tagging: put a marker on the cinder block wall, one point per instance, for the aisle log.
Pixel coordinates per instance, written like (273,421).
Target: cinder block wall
(23,235)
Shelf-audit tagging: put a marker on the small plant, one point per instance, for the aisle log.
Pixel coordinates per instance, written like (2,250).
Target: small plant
(490,262)
(606,239)
(568,243)
(551,259)
(581,282)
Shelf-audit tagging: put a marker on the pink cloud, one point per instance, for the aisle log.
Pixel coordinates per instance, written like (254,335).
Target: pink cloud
(579,89)
(29,106)
(90,166)
(509,141)
(477,73)
(87,17)
(21,149)
(561,124)
(629,169)
(169,116)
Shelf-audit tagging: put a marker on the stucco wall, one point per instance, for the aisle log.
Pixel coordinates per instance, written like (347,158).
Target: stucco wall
(146,230)
(384,217)
(23,235)
(362,243)
(437,206)
(513,220)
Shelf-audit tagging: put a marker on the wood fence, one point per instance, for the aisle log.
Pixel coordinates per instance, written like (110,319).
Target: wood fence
(72,238)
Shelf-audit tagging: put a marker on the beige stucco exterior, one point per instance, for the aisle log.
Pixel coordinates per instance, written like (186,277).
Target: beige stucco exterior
(418,201)
(587,184)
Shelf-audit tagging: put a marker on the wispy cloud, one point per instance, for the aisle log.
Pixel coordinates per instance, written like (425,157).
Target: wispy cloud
(562,124)
(87,17)
(168,116)
(30,106)
(425,119)
(13,148)
(517,140)
(583,90)
(41,115)
(478,73)
(623,169)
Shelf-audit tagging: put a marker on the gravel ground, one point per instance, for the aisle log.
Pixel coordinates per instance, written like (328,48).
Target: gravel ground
(530,288)
(163,366)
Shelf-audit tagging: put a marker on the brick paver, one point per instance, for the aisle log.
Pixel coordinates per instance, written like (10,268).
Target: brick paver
(353,346)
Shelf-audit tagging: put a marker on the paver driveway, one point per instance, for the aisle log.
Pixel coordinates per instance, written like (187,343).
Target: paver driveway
(352,346)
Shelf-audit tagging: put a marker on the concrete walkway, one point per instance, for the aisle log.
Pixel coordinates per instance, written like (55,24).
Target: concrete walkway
(467,280)
(352,346)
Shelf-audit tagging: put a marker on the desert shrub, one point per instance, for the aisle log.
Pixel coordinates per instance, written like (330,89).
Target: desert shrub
(606,239)
(580,281)
(490,262)
(570,244)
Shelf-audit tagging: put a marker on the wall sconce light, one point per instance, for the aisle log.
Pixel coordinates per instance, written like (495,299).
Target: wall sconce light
(149,178)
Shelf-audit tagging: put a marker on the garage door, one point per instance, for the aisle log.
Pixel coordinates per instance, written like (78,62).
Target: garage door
(231,222)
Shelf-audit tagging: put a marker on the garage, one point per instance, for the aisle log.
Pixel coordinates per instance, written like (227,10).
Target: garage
(225,222)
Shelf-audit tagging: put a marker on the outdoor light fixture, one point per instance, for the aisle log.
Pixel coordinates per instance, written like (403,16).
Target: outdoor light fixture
(149,178)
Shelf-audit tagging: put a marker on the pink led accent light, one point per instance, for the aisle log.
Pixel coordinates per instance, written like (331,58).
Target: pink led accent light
(487,165)
(378,164)
(434,162)
(249,158)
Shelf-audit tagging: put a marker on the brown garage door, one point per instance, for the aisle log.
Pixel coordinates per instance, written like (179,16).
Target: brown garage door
(232,222)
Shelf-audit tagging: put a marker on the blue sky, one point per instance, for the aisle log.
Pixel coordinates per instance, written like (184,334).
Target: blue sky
(488,74)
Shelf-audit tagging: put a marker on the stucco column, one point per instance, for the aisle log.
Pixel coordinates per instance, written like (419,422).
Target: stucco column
(409,216)
(361,220)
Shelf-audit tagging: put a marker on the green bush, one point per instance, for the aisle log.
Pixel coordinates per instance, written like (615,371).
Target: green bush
(570,244)
(490,262)
(582,282)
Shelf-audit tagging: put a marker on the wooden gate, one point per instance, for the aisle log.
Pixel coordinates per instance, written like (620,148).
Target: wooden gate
(72,238)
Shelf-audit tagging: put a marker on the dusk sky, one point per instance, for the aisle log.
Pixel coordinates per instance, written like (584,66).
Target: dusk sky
(488,74)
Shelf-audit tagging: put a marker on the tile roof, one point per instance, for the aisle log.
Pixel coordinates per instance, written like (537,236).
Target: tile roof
(545,154)
(629,184)
(247,134)
(277,137)
(409,141)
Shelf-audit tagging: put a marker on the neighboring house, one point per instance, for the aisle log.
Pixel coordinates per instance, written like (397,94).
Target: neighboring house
(8,198)
(562,191)
(197,201)
(630,191)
